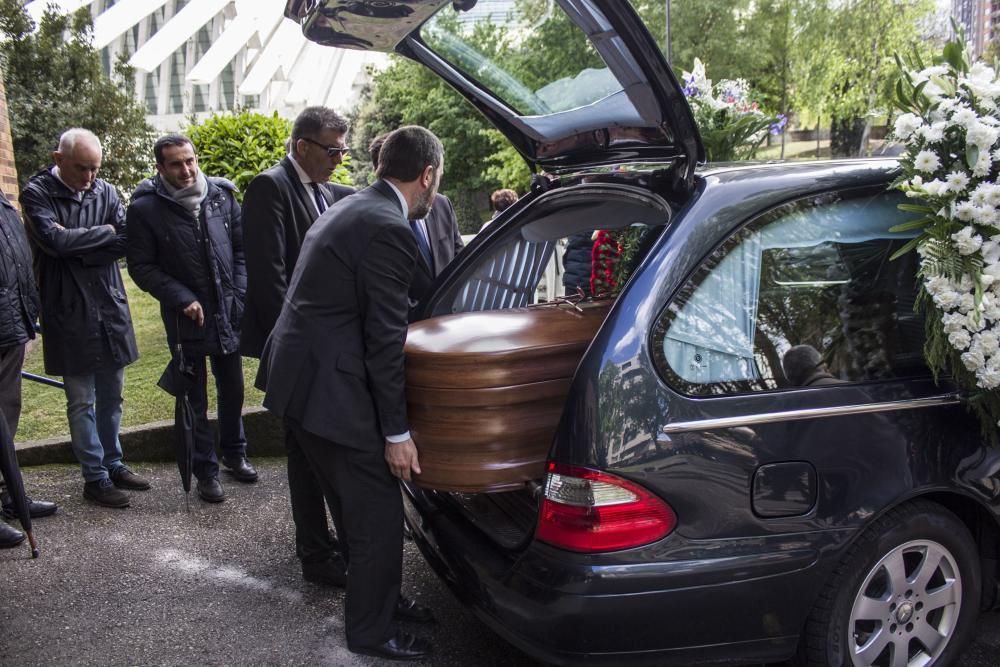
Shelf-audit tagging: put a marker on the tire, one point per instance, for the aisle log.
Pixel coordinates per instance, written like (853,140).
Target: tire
(910,582)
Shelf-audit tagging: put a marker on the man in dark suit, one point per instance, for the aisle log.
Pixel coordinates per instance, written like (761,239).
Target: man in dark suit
(280,205)
(333,367)
(439,230)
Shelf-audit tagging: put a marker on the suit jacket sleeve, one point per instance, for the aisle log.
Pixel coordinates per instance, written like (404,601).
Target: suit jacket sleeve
(144,267)
(53,239)
(456,234)
(339,191)
(384,274)
(264,221)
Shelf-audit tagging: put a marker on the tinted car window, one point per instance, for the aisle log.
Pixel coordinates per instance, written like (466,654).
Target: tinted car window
(811,273)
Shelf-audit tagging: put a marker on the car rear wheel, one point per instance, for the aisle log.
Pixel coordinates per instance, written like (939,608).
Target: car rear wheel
(906,593)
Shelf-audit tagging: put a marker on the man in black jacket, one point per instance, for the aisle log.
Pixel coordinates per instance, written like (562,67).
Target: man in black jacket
(76,225)
(185,247)
(333,367)
(279,207)
(18,312)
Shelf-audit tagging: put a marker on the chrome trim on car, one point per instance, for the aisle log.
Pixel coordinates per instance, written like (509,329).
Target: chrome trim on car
(809,413)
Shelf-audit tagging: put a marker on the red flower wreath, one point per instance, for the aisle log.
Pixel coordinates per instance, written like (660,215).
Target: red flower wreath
(606,253)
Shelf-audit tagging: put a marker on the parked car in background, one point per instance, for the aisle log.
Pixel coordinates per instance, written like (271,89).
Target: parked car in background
(752,462)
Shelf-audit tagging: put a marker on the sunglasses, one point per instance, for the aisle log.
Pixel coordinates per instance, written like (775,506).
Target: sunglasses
(331,151)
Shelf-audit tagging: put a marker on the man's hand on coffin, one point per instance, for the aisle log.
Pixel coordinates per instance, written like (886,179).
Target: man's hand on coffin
(402,458)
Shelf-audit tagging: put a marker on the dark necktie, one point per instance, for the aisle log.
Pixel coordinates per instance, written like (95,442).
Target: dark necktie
(320,201)
(425,248)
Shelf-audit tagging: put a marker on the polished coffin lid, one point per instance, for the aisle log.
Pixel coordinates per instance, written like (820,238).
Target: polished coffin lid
(485,391)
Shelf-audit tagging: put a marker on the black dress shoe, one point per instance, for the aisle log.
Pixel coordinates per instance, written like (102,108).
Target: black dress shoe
(403,646)
(240,468)
(411,610)
(36,508)
(210,490)
(329,572)
(9,536)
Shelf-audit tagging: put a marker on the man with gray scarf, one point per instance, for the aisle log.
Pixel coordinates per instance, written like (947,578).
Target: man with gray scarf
(185,247)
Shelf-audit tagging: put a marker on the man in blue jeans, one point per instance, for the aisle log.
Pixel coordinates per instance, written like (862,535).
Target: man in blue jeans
(76,225)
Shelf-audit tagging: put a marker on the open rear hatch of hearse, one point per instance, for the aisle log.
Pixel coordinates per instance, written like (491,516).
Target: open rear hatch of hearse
(612,100)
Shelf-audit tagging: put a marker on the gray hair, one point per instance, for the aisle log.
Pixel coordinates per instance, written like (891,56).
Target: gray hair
(73,136)
(407,151)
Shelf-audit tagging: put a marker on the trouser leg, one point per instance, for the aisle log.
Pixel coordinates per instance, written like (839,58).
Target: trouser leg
(11,360)
(228,372)
(313,542)
(108,387)
(204,462)
(80,399)
(368,513)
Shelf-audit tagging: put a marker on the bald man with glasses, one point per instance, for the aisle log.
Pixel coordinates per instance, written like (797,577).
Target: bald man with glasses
(279,207)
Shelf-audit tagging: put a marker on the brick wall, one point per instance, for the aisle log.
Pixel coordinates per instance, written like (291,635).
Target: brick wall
(8,172)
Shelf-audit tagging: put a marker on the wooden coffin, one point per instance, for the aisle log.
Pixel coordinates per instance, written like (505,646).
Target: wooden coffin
(485,391)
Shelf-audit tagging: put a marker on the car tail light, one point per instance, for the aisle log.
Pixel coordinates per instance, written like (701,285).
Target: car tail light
(589,511)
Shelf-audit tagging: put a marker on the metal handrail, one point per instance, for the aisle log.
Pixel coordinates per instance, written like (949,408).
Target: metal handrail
(41,379)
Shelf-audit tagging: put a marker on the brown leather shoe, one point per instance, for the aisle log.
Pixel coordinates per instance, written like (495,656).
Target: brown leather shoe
(103,492)
(124,478)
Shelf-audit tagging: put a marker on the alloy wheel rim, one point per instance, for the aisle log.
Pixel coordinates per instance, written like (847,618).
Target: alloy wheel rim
(907,608)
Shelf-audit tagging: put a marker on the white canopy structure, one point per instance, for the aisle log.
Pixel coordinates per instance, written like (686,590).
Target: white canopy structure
(196,56)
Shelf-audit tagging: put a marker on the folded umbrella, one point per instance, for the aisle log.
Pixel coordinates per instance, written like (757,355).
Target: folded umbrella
(177,380)
(15,484)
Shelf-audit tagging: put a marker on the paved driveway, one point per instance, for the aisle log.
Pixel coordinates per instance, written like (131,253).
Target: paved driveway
(156,585)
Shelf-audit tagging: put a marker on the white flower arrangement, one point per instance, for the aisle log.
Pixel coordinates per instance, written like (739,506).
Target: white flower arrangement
(950,130)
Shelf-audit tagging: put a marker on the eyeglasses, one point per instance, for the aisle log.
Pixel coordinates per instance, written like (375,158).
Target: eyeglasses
(331,151)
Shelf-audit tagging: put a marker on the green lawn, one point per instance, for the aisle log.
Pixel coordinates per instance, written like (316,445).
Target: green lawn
(44,411)
(794,150)
(806,150)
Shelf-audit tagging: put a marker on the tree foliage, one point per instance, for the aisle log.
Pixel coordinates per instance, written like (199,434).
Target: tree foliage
(844,52)
(240,145)
(408,94)
(54,81)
